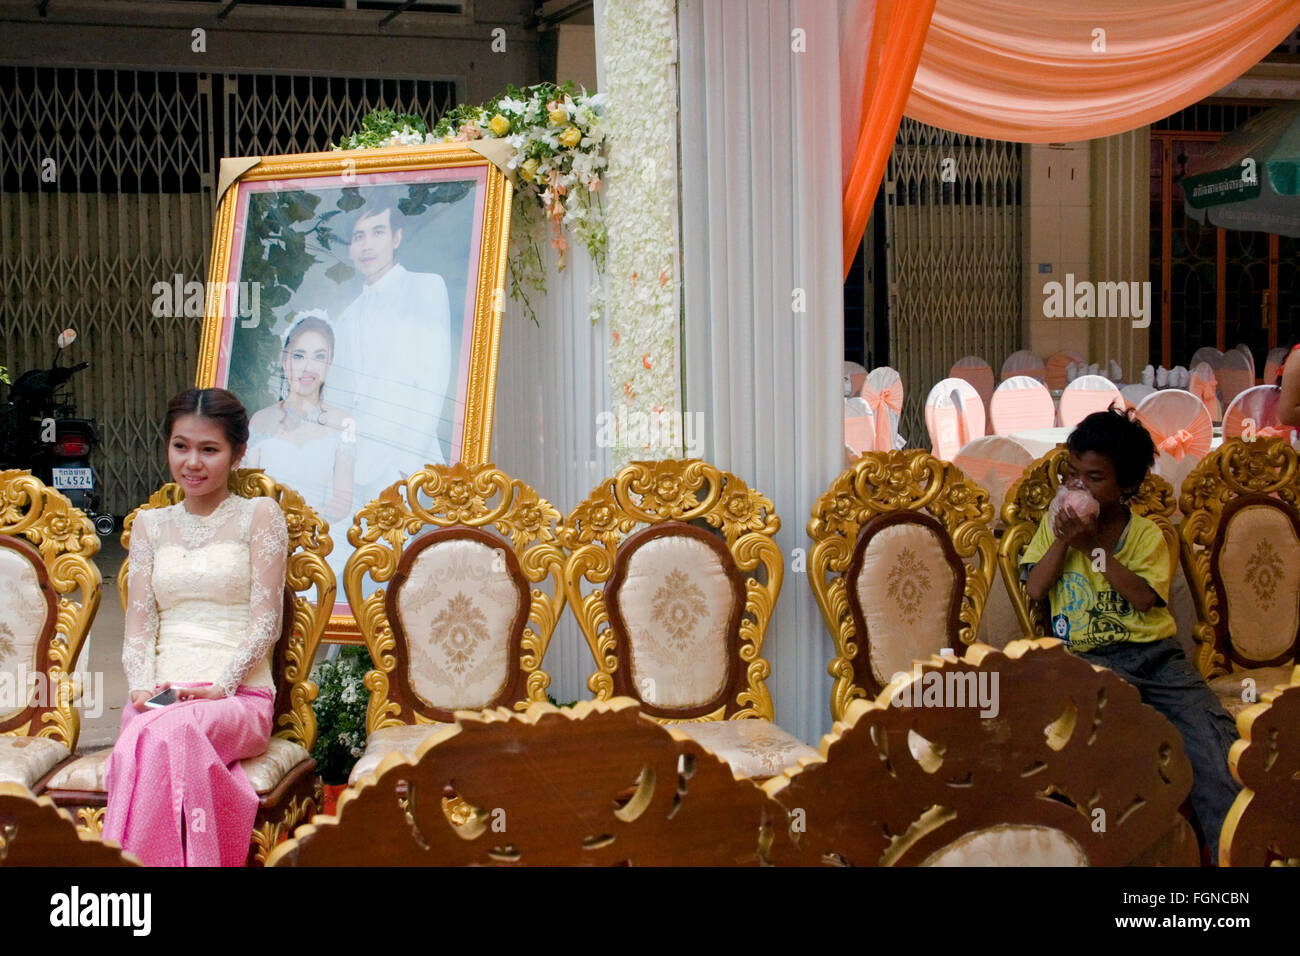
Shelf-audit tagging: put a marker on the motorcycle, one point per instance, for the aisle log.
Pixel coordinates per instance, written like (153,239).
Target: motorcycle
(39,431)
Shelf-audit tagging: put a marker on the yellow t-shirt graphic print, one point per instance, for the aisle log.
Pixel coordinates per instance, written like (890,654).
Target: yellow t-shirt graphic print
(1087,612)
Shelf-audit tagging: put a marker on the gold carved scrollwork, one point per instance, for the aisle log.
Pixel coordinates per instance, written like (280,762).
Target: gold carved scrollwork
(67,543)
(309,544)
(882,483)
(1027,501)
(447,496)
(1266,468)
(685,490)
(269,832)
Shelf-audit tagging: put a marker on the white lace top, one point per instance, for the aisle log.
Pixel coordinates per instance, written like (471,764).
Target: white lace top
(205,595)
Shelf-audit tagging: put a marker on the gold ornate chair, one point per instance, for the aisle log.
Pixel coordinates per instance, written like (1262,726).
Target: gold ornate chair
(456,622)
(676,607)
(284,777)
(902,560)
(1262,827)
(1024,757)
(49,593)
(1241,555)
(34,832)
(598,784)
(1026,503)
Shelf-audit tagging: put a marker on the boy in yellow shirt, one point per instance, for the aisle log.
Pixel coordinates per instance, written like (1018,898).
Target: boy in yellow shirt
(1107,579)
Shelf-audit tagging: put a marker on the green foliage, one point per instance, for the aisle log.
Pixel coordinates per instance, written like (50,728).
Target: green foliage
(378,127)
(341,713)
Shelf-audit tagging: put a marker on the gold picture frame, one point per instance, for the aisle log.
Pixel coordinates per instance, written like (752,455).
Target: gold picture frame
(354,305)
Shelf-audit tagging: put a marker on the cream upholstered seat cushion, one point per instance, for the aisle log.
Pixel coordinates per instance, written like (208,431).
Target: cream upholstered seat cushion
(904,590)
(1260,567)
(24,609)
(458,607)
(25,760)
(1231,689)
(405,740)
(675,600)
(753,748)
(1011,844)
(265,771)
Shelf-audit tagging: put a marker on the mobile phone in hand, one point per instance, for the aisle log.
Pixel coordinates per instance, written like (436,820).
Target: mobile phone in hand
(162,699)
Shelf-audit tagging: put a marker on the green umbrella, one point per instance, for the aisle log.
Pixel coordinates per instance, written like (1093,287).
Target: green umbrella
(1250,179)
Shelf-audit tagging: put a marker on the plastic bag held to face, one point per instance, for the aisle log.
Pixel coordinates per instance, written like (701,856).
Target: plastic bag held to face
(1076,499)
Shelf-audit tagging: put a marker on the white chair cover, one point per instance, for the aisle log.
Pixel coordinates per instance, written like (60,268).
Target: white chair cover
(1235,377)
(994,463)
(1021,403)
(1181,429)
(1244,349)
(883,394)
(979,373)
(1207,353)
(854,376)
(1024,362)
(1205,385)
(1254,413)
(1133,394)
(1056,366)
(954,415)
(859,426)
(1085,395)
(1273,363)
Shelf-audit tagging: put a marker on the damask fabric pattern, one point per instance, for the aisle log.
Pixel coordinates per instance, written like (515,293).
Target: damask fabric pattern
(675,601)
(26,759)
(205,595)
(753,748)
(1260,565)
(23,611)
(1011,845)
(457,608)
(904,589)
(264,772)
(405,740)
(1235,695)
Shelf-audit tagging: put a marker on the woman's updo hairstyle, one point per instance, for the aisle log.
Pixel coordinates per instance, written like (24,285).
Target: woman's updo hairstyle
(216,404)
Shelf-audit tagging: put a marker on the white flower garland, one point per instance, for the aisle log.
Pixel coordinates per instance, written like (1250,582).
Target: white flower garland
(641,84)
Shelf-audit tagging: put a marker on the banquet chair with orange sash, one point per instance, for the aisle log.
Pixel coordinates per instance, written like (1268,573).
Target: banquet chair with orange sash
(1205,385)
(1241,554)
(1085,395)
(1026,503)
(673,573)
(1021,403)
(49,593)
(954,416)
(1180,427)
(469,591)
(284,776)
(1253,414)
(883,393)
(901,565)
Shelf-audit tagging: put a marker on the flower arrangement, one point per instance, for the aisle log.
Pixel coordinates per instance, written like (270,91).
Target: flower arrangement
(340,709)
(559,142)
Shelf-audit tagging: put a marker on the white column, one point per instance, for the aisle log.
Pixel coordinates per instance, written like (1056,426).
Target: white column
(760,188)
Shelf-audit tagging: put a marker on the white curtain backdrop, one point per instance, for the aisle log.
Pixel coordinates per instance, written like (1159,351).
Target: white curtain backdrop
(760,197)
(551,385)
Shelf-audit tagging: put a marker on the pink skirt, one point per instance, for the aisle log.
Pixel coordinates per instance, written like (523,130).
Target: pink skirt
(177,795)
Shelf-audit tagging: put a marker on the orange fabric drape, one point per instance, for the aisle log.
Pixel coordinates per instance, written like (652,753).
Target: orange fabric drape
(1065,70)
(897,39)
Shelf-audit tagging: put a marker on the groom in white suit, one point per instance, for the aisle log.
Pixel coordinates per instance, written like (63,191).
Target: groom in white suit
(393,356)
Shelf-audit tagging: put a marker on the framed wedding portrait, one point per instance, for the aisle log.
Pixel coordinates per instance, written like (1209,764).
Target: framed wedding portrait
(354,307)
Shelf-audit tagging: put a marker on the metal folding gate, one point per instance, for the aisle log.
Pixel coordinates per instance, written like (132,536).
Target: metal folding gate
(106,188)
(953,227)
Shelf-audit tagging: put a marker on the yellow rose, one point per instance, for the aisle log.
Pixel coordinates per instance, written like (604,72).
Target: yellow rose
(558,117)
(499,125)
(571,137)
(529,169)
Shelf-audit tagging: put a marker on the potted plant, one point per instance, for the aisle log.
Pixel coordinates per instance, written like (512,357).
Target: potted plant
(340,718)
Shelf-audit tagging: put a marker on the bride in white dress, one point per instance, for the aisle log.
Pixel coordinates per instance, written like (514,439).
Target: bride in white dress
(300,441)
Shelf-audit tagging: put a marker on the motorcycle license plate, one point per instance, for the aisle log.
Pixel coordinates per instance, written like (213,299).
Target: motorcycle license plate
(73,478)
